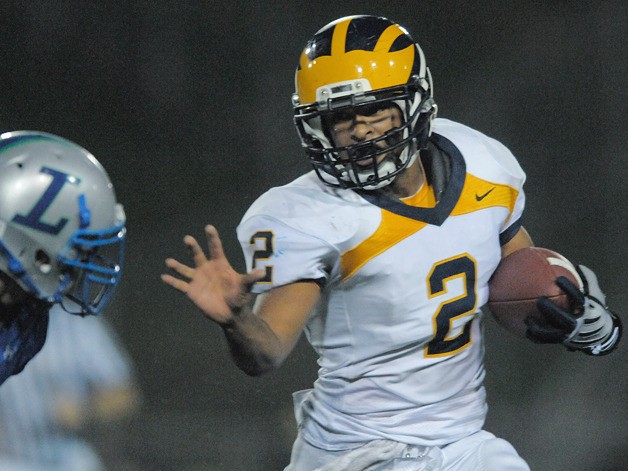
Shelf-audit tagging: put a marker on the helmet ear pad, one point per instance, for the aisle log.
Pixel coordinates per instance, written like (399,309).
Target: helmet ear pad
(424,122)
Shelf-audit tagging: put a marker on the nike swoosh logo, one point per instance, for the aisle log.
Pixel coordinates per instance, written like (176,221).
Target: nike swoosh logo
(481,197)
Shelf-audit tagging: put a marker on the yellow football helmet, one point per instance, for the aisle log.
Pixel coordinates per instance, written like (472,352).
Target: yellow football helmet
(362,61)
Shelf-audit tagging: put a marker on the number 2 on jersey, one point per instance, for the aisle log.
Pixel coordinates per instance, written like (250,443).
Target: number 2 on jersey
(264,253)
(464,267)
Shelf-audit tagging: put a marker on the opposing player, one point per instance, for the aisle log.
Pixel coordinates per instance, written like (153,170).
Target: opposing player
(382,256)
(62,236)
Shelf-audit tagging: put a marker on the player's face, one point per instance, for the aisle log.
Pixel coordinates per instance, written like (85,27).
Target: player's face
(352,126)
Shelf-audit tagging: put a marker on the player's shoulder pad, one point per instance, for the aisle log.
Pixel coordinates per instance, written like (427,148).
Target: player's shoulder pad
(308,206)
(484,156)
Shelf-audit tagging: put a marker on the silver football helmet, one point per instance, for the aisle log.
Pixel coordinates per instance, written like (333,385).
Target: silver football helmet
(62,231)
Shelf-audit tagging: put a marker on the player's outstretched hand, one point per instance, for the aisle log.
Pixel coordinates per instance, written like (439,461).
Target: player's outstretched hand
(212,284)
(589,327)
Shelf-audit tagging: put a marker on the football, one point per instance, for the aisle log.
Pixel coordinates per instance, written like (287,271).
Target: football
(520,279)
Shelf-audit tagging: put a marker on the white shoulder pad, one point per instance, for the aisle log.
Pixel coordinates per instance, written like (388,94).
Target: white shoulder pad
(296,231)
(307,205)
(488,159)
(485,157)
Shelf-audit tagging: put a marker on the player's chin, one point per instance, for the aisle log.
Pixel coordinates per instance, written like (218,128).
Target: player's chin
(370,162)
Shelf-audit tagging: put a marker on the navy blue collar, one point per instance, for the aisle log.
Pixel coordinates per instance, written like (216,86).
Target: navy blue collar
(438,214)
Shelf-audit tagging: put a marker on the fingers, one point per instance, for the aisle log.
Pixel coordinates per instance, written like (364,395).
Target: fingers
(555,316)
(213,242)
(540,332)
(215,249)
(214,267)
(175,283)
(592,286)
(195,250)
(571,290)
(180,268)
(253,277)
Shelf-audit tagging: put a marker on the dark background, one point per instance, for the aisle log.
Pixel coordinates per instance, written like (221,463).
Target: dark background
(187,105)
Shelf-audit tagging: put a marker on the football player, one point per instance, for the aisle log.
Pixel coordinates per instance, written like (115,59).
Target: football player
(382,256)
(62,238)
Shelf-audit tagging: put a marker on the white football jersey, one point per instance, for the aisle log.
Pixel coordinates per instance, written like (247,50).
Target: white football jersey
(398,328)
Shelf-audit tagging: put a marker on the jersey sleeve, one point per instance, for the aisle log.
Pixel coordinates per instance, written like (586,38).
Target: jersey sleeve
(286,253)
(490,160)
(507,169)
(516,178)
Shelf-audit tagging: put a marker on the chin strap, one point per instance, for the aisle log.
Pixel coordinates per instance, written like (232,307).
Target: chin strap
(437,167)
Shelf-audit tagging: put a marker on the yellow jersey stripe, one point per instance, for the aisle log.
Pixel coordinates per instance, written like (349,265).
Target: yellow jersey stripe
(392,229)
(480,194)
(476,194)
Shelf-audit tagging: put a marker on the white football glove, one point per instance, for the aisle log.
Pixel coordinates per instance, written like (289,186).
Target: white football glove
(590,327)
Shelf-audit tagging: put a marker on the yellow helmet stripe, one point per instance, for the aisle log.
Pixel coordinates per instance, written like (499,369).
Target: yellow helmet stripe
(381,67)
(387,39)
(339,39)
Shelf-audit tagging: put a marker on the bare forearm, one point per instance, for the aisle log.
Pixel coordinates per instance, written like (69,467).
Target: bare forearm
(254,347)
(260,340)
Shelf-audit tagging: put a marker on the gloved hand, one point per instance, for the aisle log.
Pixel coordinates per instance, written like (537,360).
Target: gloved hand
(589,327)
